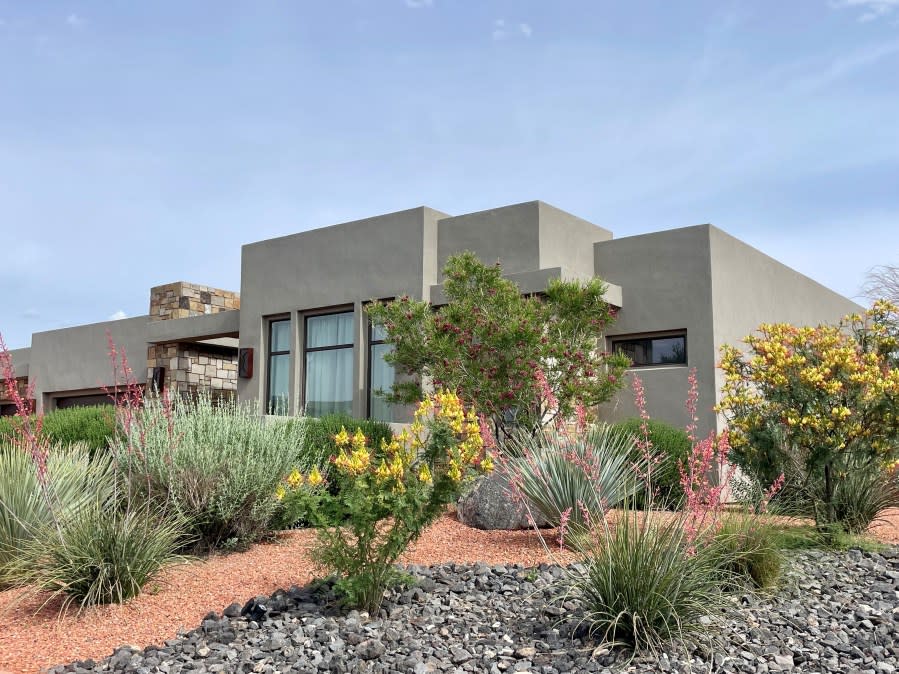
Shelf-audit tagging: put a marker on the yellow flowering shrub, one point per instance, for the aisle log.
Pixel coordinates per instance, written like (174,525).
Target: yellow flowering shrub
(387,494)
(803,400)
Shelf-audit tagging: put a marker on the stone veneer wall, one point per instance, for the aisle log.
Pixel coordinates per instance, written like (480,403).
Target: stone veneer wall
(182,300)
(190,368)
(7,408)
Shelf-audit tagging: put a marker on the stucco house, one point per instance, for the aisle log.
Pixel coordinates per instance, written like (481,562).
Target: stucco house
(295,338)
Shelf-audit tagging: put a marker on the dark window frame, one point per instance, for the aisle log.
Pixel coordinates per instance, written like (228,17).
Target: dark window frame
(268,363)
(314,349)
(368,368)
(616,340)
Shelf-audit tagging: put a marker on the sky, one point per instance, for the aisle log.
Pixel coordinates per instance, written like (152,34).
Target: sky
(145,142)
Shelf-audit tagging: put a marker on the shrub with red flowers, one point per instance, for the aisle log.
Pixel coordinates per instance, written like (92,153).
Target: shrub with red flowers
(488,340)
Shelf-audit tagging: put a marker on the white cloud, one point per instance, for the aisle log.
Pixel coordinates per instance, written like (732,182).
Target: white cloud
(419,4)
(525,29)
(870,9)
(75,21)
(117,316)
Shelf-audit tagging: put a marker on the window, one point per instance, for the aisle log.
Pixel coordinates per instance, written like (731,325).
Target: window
(329,364)
(278,401)
(381,375)
(645,351)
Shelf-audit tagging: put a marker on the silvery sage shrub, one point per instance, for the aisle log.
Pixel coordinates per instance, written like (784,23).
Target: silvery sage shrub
(215,465)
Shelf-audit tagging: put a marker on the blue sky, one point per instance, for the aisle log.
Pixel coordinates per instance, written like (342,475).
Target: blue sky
(144,142)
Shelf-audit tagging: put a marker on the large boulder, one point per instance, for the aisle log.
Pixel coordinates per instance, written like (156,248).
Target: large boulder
(490,506)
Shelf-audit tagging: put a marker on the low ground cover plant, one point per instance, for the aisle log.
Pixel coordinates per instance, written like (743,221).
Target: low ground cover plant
(388,493)
(821,405)
(217,466)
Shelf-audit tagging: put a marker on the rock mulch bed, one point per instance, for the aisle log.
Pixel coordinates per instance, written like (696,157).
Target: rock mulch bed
(836,612)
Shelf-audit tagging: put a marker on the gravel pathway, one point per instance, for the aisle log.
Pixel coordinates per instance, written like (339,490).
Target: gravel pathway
(836,612)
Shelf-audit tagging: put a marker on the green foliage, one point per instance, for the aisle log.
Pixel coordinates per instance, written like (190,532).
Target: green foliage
(299,496)
(102,553)
(818,404)
(319,432)
(488,340)
(748,549)
(673,446)
(561,474)
(91,426)
(640,587)
(74,480)
(388,494)
(216,466)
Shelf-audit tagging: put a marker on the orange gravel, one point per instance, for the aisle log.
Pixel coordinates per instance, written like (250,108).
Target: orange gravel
(32,639)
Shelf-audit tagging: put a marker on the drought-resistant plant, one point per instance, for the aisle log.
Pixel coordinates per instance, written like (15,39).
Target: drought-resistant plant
(319,432)
(74,480)
(648,577)
(672,447)
(564,474)
(639,586)
(748,549)
(388,494)
(487,341)
(217,466)
(298,498)
(811,401)
(104,552)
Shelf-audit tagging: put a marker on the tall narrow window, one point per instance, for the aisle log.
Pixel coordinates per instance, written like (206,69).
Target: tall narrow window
(380,375)
(279,367)
(329,364)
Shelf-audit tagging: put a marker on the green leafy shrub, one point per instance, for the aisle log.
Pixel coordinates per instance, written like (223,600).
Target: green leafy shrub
(672,445)
(91,426)
(319,432)
(101,553)
(217,466)
(388,493)
(489,338)
(562,473)
(298,498)
(74,479)
(813,401)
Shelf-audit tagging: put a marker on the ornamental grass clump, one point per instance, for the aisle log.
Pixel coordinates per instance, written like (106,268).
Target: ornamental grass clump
(74,480)
(652,580)
(388,494)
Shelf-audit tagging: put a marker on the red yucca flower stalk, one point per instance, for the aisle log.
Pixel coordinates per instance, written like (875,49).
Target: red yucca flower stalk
(28,429)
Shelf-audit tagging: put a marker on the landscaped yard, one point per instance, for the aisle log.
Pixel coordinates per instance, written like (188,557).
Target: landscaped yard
(33,639)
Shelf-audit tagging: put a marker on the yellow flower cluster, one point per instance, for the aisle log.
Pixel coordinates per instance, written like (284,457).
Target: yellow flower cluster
(407,456)
(821,382)
(295,480)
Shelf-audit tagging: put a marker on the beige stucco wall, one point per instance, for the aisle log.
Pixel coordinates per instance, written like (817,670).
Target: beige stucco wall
(76,359)
(750,288)
(666,284)
(337,267)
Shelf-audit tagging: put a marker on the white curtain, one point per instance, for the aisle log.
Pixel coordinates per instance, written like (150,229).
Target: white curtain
(329,374)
